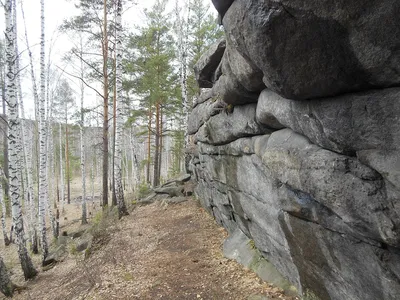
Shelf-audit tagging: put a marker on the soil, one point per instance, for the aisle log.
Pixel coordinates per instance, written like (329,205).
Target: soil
(159,251)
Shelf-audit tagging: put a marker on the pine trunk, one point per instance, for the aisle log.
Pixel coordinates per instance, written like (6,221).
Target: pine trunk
(149,146)
(156,178)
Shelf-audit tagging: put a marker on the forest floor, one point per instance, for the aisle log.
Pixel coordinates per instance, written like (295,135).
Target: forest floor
(159,251)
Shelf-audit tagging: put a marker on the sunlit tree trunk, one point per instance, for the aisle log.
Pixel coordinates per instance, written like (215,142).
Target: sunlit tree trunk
(119,191)
(156,178)
(149,145)
(33,207)
(13,140)
(134,160)
(182,31)
(42,142)
(62,184)
(105,106)
(82,128)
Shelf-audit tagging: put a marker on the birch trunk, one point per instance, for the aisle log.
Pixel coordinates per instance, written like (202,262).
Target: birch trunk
(42,142)
(105,106)
(182,30)
(62,184)
(3,214)
(31,195)
(135,162)
(82,128)
(119,191)
(13,140)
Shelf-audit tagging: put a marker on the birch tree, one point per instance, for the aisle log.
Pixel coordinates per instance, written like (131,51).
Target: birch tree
(3,212)
(119,191)
(13,140)
(42,141)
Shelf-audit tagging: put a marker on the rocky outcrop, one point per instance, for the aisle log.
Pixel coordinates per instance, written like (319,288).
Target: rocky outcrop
(314,184)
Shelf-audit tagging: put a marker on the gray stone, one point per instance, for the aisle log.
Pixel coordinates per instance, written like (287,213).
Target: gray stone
(348,188)
(84,242)
(313,49)
(172,191)
(57,255)
(345,124)
(205,67)
(242,249)
(247,74)
(225,128)
(230,89)
(203,112)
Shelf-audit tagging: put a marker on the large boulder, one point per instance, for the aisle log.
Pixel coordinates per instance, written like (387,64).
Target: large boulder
(206,66)
(311,49)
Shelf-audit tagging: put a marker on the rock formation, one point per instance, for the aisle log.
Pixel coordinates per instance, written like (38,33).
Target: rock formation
(297,140)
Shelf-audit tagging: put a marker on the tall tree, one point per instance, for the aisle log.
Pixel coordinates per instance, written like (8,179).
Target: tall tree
(13,140)
(119,117)
(42,140)
(155,77)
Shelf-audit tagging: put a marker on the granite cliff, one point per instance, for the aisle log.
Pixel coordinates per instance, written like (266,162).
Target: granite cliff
(296,140)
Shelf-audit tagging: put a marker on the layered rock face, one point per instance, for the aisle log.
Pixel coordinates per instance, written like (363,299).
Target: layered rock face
(315,183)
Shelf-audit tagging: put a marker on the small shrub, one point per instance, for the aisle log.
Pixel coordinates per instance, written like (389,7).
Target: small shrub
(144,190)
(128,276)
(252,244)
(309,295)
(72,249)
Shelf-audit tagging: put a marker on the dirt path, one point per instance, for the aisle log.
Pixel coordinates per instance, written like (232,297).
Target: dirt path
(158,252)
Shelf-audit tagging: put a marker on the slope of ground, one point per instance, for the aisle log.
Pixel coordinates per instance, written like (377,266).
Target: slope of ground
(159,251)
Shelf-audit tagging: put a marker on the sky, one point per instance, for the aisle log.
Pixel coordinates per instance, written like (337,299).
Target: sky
(55,12)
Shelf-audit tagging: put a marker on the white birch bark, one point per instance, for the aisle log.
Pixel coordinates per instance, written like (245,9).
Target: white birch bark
(135,162)
(42,141)
(13,141)
(32,72)
(62,184)
(3,213)
(182,31)
(119,192)
(33,208)
(82,133)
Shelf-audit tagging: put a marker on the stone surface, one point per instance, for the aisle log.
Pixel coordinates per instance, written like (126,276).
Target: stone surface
(315,185)
(291,197)
(172,191)
(345,124)
(208,63)
(227,127)
(312,49)
(242,249)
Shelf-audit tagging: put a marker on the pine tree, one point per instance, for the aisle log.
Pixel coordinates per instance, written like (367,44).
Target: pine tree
(153,54)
